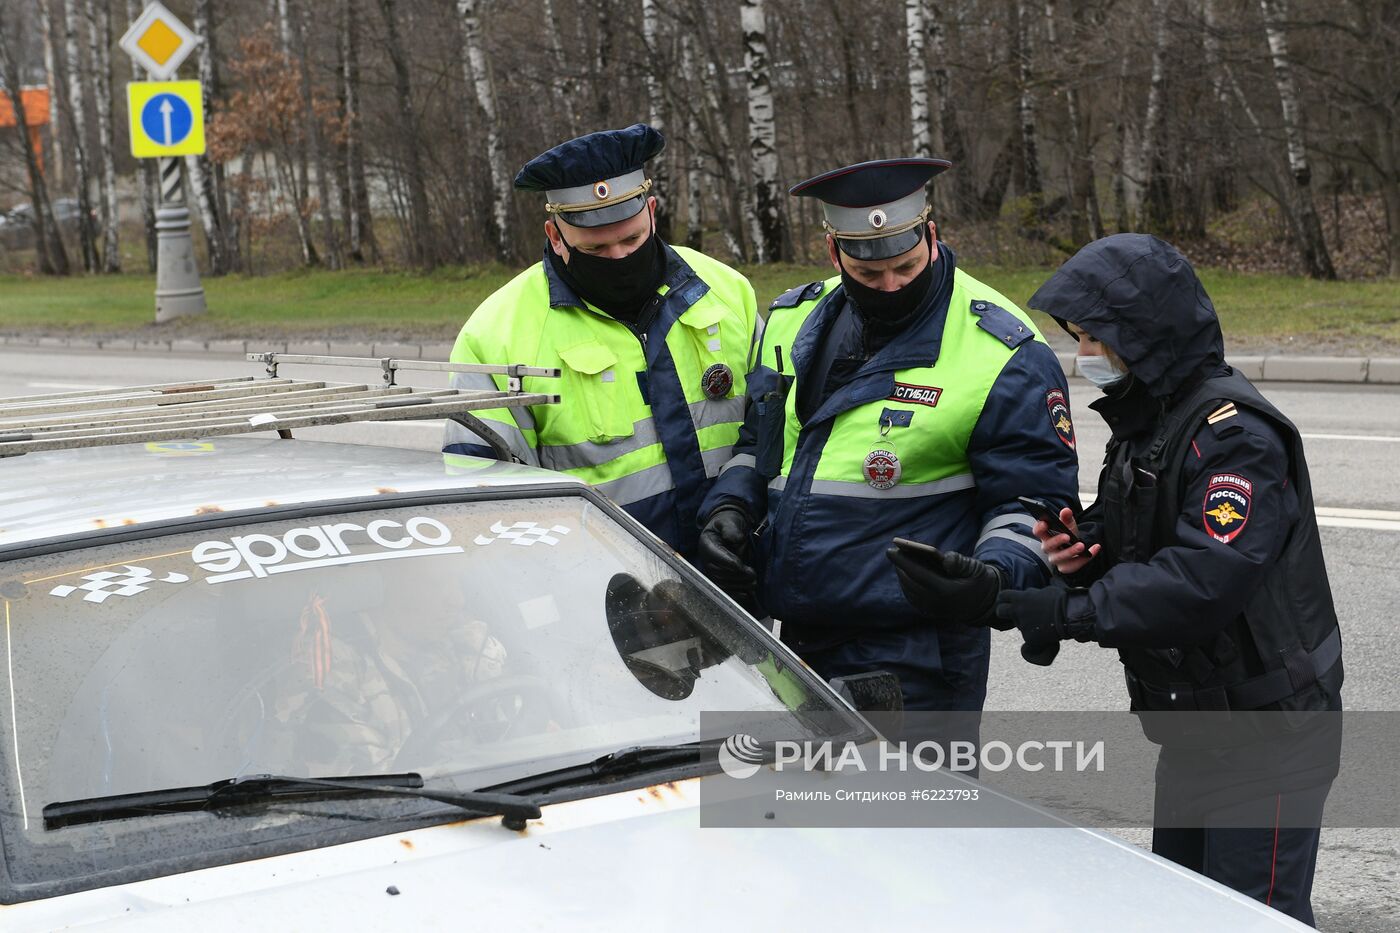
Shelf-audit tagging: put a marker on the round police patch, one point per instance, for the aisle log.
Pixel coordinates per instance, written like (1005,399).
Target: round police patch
(882,469)
(877,218)
(601,191)
(1226,509)
(716,381)
(1060,419)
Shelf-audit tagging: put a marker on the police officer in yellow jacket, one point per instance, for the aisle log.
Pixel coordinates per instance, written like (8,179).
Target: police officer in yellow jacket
(900,399)
(654,341)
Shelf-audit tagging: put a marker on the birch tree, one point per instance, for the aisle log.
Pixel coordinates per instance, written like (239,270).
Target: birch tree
(918,76)
(694,158)
(202,173)
(564,91)
(76,100)
(767,214)
(478,76)
(54,79)
(145,168)
(1317,262)
(656,112)
(1025,107)
(99,23)
(1156,207)
(1084,221)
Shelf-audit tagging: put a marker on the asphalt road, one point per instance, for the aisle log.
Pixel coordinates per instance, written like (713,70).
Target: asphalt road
(1352,435)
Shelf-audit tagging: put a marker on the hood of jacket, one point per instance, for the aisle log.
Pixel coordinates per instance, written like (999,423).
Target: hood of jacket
(1140,296)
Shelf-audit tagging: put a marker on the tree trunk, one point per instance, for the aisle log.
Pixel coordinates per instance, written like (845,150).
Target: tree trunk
(56,168)
(361,223)
(656,63)
(478,76)
(563,96)
(1316,260)
(768,233)
(694,160)
(1222,153)
(1156,209)
(51,256)
(994,192)
(99,23)
(145,168)
(315,143)
(1127,181)
(950,138)
(205,177)
(1084,220)
(420,247)
(76,99)
(914,27)
(1025,110)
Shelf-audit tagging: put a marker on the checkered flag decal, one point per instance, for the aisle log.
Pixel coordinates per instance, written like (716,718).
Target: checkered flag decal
(523,534)
(105,583)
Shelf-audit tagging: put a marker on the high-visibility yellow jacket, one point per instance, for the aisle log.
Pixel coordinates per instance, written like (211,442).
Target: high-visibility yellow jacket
(648,418)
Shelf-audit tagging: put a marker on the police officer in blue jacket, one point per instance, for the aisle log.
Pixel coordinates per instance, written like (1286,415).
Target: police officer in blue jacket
(1200,561)
(900,398)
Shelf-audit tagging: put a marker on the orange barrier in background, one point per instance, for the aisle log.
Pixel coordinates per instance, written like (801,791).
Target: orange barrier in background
(36,115)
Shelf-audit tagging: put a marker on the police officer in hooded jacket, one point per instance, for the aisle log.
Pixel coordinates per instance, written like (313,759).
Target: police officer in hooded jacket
(1200,562)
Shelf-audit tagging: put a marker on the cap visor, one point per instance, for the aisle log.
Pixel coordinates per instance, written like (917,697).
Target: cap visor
(601,217)
(884,247)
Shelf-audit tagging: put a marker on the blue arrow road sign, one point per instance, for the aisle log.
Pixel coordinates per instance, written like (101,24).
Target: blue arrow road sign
(166,119)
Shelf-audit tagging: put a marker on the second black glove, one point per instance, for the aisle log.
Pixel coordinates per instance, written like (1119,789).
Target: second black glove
(726,552)
(946,585)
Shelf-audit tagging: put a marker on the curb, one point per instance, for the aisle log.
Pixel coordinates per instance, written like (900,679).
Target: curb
(1376,370)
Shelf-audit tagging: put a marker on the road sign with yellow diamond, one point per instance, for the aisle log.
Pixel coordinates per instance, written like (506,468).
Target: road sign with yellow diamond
(158,42)
(166,118)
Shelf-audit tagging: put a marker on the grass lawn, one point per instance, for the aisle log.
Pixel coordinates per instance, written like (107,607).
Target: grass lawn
(1258,311)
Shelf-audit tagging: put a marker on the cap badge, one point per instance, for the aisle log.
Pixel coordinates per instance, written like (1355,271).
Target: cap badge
(716,381)
(601,191)
(877,218)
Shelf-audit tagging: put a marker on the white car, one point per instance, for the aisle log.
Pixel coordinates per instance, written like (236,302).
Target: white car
(253,683)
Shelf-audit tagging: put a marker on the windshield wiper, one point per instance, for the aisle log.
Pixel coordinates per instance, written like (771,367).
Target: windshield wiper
(261,788)
(625,762)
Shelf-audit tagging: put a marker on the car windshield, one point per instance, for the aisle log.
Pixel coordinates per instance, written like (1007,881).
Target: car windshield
(473,643)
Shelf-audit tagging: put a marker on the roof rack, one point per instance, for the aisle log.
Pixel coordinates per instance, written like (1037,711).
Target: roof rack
(220,407)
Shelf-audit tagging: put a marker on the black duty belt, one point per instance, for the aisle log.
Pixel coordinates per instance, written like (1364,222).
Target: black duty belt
(1301,670)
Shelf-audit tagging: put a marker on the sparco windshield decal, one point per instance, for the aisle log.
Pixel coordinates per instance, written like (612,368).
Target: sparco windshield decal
(260,555)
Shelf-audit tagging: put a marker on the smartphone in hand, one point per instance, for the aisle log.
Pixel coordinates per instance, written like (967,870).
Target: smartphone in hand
(1048,514)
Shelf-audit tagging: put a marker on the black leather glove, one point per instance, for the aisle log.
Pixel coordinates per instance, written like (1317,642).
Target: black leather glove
(1041,617)
(726,552)
(947,585)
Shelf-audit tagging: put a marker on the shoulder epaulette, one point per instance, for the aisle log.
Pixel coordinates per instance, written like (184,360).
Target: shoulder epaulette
(796,296)
(1001,323)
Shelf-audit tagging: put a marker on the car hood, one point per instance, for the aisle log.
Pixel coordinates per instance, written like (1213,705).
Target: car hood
(639,860)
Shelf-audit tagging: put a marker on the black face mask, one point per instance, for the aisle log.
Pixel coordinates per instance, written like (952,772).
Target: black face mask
(887,309)
(621,287)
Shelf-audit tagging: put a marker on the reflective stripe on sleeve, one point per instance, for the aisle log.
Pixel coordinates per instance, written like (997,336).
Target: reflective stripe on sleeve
(1026,541)
(739,460)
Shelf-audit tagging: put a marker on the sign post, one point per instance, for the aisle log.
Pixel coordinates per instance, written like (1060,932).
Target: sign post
(166,119)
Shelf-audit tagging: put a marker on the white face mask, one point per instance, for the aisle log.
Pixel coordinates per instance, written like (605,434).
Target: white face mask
(1099,370)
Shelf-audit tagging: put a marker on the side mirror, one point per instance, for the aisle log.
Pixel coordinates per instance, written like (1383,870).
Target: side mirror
(875,691)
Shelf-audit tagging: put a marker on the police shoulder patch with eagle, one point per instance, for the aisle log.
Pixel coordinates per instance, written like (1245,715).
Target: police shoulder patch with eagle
(1226,508)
